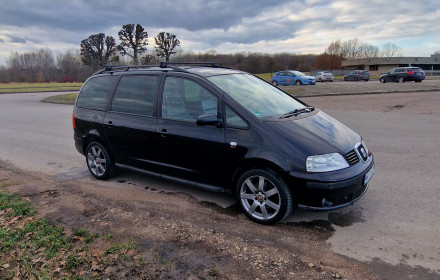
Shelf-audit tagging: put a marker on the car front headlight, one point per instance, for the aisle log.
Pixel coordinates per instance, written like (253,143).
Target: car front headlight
(325,163)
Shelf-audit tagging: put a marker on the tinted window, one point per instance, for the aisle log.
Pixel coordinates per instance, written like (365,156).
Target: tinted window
(135,95)
(184,99)
(233,119)
(95,92)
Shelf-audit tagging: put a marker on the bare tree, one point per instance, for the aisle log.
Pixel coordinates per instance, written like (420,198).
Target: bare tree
(368,51)
(133,41)
(352,48)
(71,67)
(148,59)
(166,43)
(97,50)
(389,50)
(35,66)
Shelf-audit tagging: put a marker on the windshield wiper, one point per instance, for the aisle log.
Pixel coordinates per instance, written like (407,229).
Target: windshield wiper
(296,112)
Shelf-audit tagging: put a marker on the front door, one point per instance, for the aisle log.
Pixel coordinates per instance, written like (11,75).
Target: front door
(187,150)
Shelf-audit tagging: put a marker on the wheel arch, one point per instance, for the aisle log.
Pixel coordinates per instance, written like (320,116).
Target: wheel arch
(94,136)
(255,163)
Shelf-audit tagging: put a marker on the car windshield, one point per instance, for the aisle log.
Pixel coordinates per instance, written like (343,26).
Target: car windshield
(298,73)
(260,98)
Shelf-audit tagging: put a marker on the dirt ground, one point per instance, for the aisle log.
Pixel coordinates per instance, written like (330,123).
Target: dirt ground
(196,237)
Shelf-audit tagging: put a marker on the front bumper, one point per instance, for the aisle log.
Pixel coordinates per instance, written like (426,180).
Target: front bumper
(332,191)
(309,82)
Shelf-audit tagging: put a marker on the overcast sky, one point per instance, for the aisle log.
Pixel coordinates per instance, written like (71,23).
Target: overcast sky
(226,26)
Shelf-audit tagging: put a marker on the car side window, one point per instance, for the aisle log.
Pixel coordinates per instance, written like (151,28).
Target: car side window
(135,95)
(94,94)
(184,99)
(233,119)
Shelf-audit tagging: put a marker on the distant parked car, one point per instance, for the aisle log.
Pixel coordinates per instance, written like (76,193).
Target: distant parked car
(292,77)
(324,76)
(357,75)
(403,74)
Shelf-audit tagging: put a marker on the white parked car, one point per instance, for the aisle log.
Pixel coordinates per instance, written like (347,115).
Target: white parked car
(324,76)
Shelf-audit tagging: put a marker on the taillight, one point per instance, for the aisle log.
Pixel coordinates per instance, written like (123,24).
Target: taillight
(73,120)
(410,72)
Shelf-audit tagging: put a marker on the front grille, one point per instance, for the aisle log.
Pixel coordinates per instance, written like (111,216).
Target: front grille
(352,158)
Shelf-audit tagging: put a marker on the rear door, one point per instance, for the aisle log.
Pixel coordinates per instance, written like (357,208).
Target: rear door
(392,77)
(129,123)
(187,150)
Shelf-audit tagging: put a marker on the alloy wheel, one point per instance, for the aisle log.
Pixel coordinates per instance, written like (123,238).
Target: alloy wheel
(260,198)
(96,161)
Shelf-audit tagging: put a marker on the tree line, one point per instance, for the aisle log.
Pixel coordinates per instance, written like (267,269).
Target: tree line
(99,50)
(338,51)
(43,66)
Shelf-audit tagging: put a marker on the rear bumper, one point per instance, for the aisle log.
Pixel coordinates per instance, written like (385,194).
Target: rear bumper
(325,194)
(79,144)
(415,78)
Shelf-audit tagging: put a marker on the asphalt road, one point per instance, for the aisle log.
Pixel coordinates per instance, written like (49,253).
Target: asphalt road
(396,222)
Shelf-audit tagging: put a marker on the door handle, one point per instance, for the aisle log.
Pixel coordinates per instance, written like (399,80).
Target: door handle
(163,132)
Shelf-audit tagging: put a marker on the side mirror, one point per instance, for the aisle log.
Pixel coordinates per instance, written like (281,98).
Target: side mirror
(208,119)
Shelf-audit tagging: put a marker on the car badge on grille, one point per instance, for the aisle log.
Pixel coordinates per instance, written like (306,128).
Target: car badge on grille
(362,152)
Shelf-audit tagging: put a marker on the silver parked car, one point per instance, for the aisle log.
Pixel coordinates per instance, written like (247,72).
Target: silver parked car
(324,76)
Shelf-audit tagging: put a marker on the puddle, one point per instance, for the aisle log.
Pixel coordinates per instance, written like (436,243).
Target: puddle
(73,174)
(345,219)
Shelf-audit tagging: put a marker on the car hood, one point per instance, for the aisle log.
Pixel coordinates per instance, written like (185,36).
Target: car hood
(316,134)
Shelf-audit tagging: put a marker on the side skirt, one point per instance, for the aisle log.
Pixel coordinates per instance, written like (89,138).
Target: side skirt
(198,185)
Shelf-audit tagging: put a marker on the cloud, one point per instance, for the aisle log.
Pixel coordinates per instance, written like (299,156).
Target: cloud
(300,26)
(22,40)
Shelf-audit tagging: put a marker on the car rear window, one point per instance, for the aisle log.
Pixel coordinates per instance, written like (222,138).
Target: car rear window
(94,94)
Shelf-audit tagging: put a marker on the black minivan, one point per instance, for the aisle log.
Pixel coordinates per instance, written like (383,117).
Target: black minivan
(223,130)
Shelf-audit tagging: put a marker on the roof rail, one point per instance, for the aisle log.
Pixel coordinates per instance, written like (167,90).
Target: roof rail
(113,68)
(164,64)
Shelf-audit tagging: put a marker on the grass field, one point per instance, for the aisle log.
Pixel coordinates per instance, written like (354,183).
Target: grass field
(38,87)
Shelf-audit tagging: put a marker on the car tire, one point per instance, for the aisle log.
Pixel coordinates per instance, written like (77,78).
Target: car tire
(99,161)
(275,83)
(298,83)
(366,80)
(345,78)
(401,80)
(418,81)
(264,196)
(382,80)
